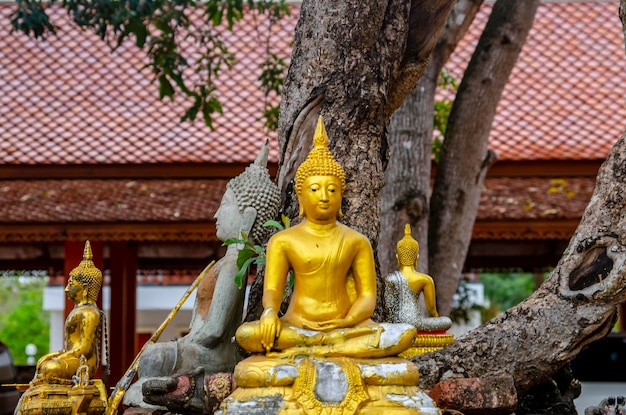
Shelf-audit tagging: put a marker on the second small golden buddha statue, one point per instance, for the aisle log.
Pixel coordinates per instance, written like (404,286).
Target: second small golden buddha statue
(63,382)
(403,289)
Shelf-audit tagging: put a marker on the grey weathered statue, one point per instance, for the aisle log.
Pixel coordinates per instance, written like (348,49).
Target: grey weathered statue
(249,201)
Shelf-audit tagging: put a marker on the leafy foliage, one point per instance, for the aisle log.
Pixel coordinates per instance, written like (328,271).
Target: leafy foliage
(251,253)
(272,79)
(442,110)
(22,318)
(161,27)
(502,290)
(505,290)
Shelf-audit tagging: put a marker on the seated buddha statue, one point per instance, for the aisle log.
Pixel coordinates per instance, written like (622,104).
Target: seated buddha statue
(403,289)
(82,326)
(334,292)
(250,200)
(324,355)
(63,382)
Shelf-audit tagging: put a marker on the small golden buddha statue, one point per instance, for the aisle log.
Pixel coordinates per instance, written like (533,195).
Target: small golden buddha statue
(402,293)
(324,355)
(82,326)
(63,382)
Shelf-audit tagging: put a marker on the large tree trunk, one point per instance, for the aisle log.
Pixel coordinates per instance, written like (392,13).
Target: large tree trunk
(344,59)
(574,307)
(464,158)
(405,198)
(354,62)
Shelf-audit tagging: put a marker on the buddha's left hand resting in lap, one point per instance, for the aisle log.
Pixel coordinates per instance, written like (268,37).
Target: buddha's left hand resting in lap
(334,278)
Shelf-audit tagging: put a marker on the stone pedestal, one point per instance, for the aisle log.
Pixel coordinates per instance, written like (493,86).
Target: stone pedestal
(63,399)
(329,386)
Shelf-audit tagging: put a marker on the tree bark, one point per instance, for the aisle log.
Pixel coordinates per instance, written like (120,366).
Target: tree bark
(405,198)
(574,307)
(464,158)
(406,194)
(346,73)
(348,58)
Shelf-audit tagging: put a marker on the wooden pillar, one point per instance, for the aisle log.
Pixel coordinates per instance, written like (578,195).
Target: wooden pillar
(122,322)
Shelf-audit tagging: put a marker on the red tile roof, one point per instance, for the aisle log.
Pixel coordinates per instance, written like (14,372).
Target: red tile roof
(59,201)
(70,101)
(534,198)
(565,98)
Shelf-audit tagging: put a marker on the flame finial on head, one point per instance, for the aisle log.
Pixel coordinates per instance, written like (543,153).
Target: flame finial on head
(320,162)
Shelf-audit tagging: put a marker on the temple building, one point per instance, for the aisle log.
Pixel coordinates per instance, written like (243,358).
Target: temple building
(89,152)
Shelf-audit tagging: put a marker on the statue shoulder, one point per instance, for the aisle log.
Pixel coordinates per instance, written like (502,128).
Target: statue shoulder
(286,236)
(417,280)
(423,276)
(85,314)
(91,312)
(355,235)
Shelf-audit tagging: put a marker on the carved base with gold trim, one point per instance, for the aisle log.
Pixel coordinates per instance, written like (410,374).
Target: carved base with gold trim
(63,399)
(327,386)
(426,342)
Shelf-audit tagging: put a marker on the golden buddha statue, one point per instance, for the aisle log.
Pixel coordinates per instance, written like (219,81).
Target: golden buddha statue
(82,326)
(324,355)
(334,291)
(63,382)
(402,293)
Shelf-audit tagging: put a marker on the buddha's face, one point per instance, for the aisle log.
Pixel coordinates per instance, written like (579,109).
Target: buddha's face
(320,198)
(74,288)
(228,218)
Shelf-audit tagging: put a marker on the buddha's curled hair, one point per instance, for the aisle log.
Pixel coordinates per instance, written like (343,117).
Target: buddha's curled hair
(254,188)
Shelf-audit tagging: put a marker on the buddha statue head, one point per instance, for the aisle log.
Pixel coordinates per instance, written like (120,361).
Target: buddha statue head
(254,189)
(87,274)
(319,162)
(407,249)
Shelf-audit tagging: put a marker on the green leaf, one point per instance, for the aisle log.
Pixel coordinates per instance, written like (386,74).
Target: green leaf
(243,272)
(286,220)
(141,34)
(243,256)
(258,249)
(192,112)
(231,241)
(274,224)
(165,87)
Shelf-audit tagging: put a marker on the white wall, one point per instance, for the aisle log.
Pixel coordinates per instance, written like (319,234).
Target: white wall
(154,303)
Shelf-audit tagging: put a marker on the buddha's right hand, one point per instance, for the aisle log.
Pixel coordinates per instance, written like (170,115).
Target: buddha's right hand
(270,326)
